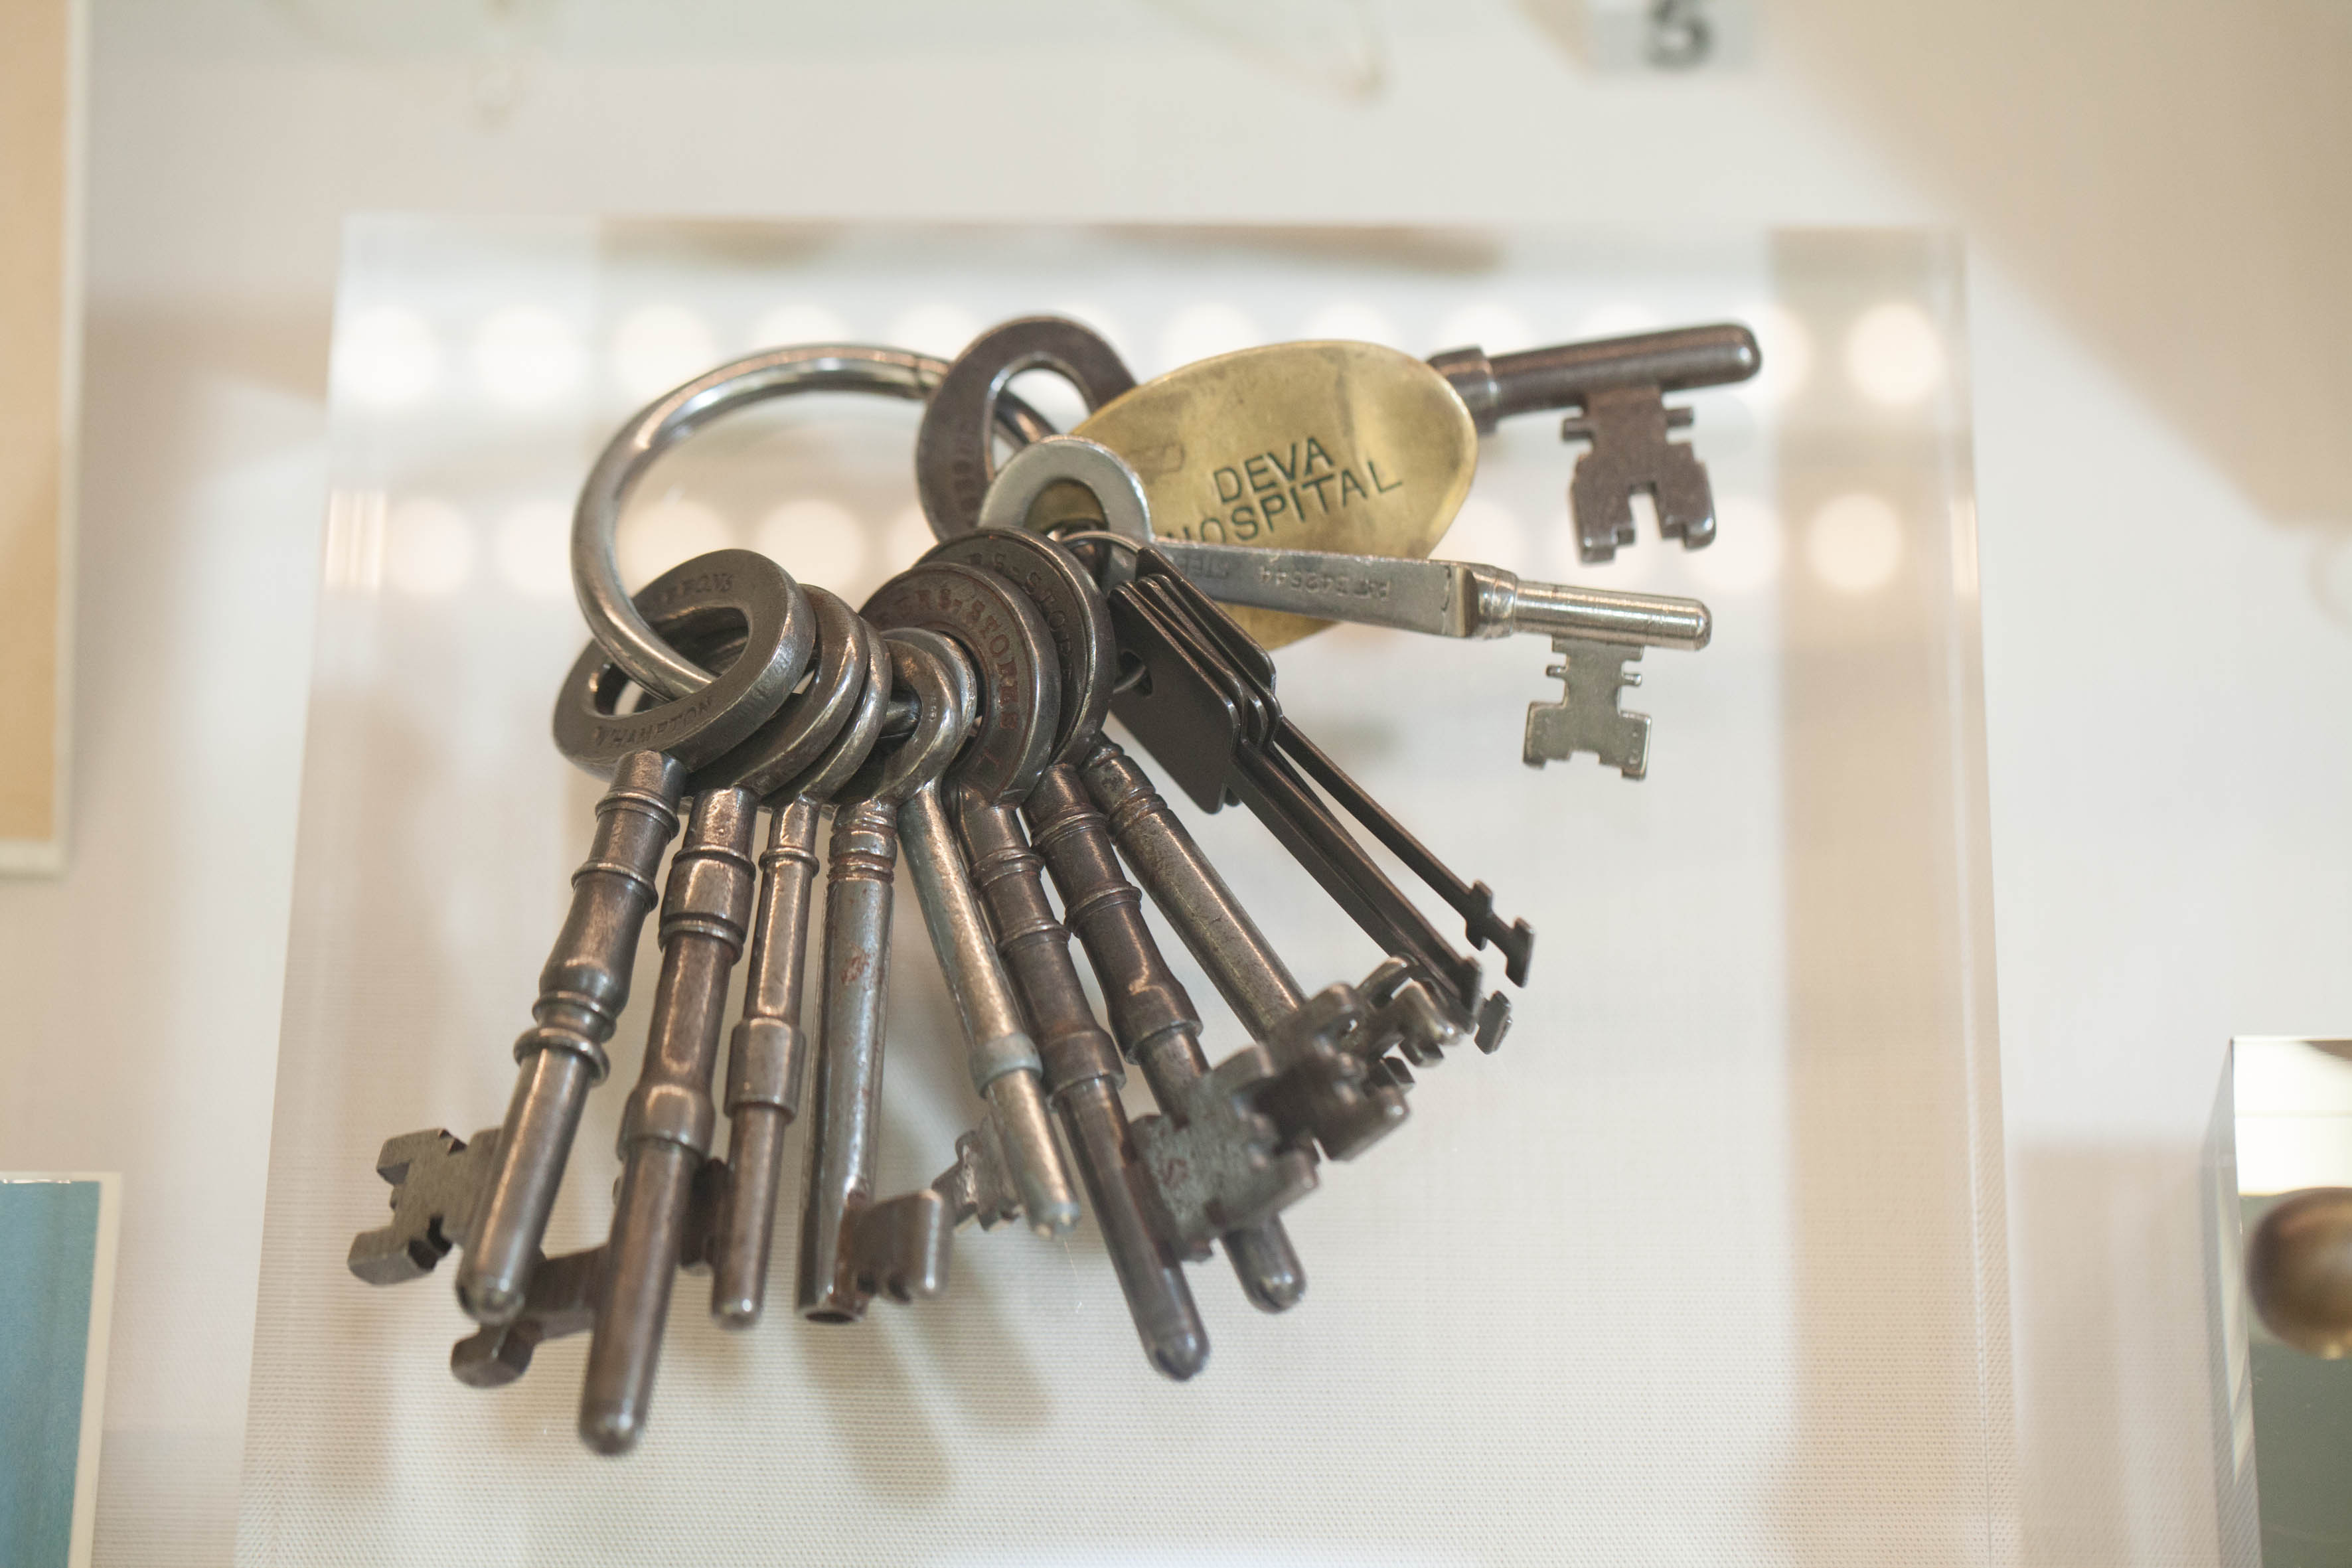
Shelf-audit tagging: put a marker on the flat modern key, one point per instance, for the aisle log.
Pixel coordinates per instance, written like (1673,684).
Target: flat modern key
(648,755)
(852,1247)
(1236,1195)
(980,620)
(1618,387)
(1202,703)
(668,1127)
(1205,709)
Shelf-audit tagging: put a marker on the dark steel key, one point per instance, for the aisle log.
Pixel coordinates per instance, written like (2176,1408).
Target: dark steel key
(1218,731)
(1161,1033)
(666,1133)
(1618,387)
(1083,1075)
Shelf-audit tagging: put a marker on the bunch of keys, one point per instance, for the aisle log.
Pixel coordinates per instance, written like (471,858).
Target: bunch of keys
(956,720)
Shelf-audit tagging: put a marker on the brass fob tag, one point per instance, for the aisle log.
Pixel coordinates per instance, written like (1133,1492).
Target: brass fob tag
(1319,446)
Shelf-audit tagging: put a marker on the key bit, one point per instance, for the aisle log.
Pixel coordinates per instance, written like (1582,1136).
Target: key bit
(1322,1087)
(1587,718)
(899,1248)
(436,1181)
(980,1186)
(1218,1163)
(561,1302)
(1628,453)
(562,1294)
(1404,1014)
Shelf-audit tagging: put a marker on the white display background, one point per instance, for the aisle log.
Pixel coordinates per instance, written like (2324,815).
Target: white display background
(2167,646)
(1708,1253)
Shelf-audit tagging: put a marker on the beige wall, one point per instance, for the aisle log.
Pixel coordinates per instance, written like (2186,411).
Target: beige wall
(35,102)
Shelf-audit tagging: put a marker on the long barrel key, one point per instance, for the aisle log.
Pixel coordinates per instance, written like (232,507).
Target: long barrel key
(1595,631)
(852,1247)
(649,755)
(1618,387)
(765,1054)
(1006,1070)
(1237,1194)
(975,623)
(666,1133)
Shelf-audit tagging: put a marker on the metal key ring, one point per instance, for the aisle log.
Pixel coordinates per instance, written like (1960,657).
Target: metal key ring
(1007,639)
(954,463)
(805,727)
(612,620)
(1058,583)
(698,728)
(1037,467)
(889,777)
(824,778)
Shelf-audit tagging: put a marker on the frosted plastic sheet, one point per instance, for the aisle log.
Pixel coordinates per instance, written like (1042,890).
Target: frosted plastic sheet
(1706,1264)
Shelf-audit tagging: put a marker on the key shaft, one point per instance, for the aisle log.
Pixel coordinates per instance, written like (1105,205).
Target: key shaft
(1214,927)
(667,1129)
(1493,387)
(767,1056)
(1005,1069)
(1152,1017)
(1438,598)
(581,991)
(1083,1072)
(1334,1096)
(848,1090)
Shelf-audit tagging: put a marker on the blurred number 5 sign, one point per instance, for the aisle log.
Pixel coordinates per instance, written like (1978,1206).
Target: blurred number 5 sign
(1620,36)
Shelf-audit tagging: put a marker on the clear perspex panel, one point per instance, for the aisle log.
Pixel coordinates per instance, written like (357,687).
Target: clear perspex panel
(1705,1265)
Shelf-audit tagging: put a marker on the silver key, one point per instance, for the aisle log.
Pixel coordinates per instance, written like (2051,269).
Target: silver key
(765,1054)
(853,1248)
(1595,631)
(1013,1151)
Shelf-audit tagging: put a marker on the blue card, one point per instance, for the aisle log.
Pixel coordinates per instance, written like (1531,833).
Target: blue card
(57,1284)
